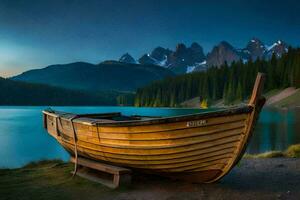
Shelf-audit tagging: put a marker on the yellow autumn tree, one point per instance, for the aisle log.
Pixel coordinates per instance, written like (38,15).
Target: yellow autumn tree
(204,104)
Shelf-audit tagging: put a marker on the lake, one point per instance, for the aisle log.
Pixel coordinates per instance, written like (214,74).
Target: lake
(23,139)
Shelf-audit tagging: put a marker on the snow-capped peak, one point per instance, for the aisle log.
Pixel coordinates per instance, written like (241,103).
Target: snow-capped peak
(197,67)
(278,48)
(279,42)
(202,63)
(127,58)
(190,69)
(163,62)
(272,46)
(255,40)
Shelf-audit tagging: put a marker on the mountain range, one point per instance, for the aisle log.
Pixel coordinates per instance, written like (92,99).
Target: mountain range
(189,59)
(128,74)
(106,76)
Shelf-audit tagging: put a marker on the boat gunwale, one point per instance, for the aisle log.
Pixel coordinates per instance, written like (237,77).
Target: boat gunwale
(170,119)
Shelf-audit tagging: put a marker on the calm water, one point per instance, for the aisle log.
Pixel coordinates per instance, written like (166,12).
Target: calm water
(23,139)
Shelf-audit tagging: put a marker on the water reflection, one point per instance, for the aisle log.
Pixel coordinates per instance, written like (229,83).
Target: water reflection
(22,139)
(275,130)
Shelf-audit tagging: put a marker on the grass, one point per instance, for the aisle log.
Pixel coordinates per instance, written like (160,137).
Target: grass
(47,180)
(290,101)
(292,152)
(271,154)
(52,180)
(43,163)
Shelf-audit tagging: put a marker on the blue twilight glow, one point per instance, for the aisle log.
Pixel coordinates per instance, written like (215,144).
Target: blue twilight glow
(36,33)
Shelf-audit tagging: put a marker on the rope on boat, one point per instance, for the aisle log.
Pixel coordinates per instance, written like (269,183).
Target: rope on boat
(57,129)
(75,146)
(74,136)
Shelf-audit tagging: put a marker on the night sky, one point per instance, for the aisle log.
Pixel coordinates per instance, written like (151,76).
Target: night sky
(34,34)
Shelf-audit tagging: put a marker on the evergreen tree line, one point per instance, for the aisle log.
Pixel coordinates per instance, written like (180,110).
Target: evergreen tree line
(22,93)
(126,99)
(230,83)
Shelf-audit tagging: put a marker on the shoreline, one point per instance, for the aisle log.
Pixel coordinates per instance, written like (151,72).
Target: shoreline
(293,151)
(261,178)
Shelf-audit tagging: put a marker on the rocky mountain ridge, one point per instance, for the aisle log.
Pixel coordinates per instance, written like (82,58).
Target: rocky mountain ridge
(190,59)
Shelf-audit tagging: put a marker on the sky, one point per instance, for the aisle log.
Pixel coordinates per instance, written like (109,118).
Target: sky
(37,33)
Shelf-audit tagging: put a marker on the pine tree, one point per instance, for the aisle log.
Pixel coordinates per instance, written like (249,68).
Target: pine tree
(239,92)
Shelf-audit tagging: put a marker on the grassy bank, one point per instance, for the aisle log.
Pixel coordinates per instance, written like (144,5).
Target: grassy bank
(292,152)
(52,180)
(46,180)
(288,101)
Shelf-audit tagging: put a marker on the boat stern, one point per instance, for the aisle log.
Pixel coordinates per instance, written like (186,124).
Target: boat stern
(50,123)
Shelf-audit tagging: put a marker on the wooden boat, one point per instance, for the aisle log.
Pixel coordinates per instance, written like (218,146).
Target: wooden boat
(197,147)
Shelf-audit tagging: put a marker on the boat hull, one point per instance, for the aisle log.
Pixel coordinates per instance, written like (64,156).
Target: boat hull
(197,148)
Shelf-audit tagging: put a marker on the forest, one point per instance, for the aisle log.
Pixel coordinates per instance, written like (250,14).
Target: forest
(230,83)
(22,93)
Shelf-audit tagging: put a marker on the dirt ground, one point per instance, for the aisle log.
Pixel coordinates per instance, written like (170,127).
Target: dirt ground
(270,178)
(281,95)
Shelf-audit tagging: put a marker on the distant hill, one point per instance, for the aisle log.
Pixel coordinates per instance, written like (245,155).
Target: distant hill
(108,76)
(21,93)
